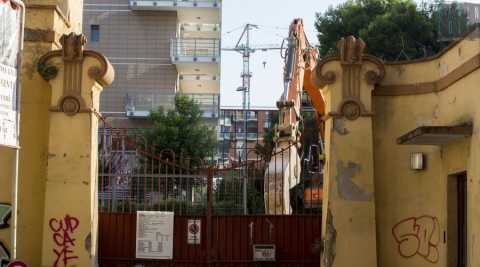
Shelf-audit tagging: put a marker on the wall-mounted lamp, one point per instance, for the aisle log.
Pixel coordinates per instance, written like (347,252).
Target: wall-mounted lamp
(417,161)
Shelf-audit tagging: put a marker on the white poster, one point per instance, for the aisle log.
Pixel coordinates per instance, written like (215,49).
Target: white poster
(154,235)
(194,232)
(10,46)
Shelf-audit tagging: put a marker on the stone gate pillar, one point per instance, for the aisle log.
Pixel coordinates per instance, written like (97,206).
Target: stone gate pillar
(76,78)
(348,225)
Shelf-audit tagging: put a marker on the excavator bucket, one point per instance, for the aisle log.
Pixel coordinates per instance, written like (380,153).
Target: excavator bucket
(283,173)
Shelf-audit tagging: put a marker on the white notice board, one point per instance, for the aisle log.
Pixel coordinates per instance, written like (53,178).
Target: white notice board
(154,235)
(11,38)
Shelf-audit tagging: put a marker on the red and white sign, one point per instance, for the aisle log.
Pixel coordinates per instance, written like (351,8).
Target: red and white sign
(194,232)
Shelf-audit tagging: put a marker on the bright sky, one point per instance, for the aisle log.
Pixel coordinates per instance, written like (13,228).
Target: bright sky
(273,17)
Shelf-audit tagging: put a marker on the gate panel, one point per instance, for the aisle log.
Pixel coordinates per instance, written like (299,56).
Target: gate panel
(295,238)
(230,202)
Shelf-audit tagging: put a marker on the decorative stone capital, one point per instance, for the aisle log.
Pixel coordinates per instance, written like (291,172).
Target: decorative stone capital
(356,71)
(350,50)
(72,61)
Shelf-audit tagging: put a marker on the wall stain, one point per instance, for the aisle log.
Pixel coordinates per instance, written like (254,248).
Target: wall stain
(329,243)
(347,189)
(339,126)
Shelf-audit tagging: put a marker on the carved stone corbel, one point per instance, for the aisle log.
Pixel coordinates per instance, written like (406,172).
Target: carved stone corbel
(320,79)
(73,57)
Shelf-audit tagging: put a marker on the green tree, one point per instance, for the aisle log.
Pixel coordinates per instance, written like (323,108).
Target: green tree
(266,148)
(182,130)
(392,29)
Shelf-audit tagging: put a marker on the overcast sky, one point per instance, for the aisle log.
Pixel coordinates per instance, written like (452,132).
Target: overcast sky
(273,17)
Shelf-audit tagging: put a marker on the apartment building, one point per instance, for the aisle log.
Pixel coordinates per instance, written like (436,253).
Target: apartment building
(456,18)
(232,135)
(159,49)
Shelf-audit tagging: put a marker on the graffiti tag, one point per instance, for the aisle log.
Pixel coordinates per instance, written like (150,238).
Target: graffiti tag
(4,255)
(63,230)
(418,236)
(5,214)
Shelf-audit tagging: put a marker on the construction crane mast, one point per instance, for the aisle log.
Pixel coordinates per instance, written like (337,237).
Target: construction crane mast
(244,47)
(282,175)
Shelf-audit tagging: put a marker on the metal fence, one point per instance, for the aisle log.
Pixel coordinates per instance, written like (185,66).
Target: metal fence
(195,48)
(232,203)
(141,104)
(134,176)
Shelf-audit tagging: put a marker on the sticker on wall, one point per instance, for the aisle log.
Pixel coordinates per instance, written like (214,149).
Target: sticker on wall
(194,232)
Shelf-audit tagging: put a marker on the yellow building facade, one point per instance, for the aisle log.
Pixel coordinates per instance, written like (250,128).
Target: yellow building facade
(402,182)
(61,84)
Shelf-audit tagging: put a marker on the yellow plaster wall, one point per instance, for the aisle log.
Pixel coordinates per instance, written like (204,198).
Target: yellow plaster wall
(33,156)
(349,177)
(402,193)
(34,133)
(72,172)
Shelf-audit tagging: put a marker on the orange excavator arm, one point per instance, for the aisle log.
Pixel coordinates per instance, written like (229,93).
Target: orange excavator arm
(300,60)
(316,97)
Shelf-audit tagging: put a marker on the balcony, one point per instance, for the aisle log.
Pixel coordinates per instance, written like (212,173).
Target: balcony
(226,122)
(195,50)
(250,136)
(192,84)
(199,31)
(171,5)
(224,136)
(140,105)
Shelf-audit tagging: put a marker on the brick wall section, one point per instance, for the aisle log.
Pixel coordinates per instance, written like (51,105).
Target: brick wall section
(138,45)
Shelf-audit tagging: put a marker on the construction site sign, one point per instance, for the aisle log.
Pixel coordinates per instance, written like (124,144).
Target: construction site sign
(154,235)
(11,39)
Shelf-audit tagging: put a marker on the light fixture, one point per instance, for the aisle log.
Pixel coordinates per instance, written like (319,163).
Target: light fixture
(417,161)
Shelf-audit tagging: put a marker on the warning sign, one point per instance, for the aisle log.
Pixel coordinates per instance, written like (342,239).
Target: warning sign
(11,29)
(194,230)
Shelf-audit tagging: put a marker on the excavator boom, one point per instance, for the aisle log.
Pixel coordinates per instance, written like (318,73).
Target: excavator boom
(282,173)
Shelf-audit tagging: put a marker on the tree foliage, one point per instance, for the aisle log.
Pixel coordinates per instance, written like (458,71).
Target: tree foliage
(266,148)
(182,130)
(392,29)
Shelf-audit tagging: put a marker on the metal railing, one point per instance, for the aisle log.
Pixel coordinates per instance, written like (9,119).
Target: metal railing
(173,4)
(195,48)
(141,104)
(250,136)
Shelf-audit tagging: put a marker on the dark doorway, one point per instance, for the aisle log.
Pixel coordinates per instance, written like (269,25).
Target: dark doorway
(457,220)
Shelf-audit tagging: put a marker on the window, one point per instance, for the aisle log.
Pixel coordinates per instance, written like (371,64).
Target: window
(94,33)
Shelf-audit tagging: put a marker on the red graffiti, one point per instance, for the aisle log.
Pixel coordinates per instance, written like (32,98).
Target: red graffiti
(62,237)
(418,236)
